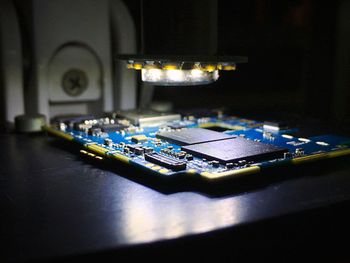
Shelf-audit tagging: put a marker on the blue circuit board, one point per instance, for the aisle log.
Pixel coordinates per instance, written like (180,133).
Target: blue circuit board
(147,146)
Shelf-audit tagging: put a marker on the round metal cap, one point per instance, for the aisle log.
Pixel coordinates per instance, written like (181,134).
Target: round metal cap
(29,123)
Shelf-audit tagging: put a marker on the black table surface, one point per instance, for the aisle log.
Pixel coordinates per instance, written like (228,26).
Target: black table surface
(55,203)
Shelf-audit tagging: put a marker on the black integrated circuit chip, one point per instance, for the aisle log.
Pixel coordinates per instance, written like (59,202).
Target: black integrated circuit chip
(165,161)
(176,126)
(112,127)
(234,150)
(192,136)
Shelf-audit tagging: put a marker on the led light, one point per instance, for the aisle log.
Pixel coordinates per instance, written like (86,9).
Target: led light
(175,75)
(152,75)
(196,73)
(209,68)
(137,66)
(178,77)
(170,66)
(181,70)
(227,66)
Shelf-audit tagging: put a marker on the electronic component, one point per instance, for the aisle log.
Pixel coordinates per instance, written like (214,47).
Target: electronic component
(137,149)
(234,150)
(112,127)
(181,155)
(94,131)
(108,142)
(71,120)
(274,125)
(192,136)
(189,157)
(215,163)
(147,149)
(170,149)
(149,118)
(229,165)
(139,138)
(165,161)
(176,126)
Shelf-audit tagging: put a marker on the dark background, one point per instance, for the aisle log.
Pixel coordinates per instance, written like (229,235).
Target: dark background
(294,48)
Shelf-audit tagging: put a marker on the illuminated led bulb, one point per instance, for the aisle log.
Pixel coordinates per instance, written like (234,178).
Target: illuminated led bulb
(210,68)
(134,65)
(181,70)
(196,73)
(177,77)
(170,66)
(227,66)
(152,75)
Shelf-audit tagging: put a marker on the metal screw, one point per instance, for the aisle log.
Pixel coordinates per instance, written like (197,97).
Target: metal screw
(74,82)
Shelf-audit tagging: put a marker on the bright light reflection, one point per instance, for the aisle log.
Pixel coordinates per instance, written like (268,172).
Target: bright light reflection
(149,218)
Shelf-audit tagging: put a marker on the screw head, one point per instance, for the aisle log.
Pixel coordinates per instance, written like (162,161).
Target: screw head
(74,82)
